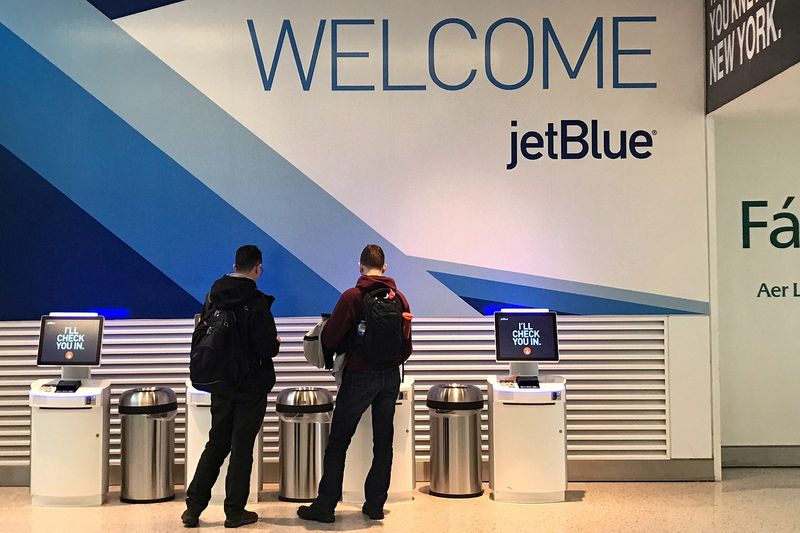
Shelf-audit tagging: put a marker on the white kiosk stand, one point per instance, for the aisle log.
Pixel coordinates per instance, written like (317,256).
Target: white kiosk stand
(527,415)
(198,423)
(70,417)
(359,454)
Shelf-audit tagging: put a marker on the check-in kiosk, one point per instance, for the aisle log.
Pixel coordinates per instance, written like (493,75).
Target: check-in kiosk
(359,454)
(198,424)
(527,413)
(70,416)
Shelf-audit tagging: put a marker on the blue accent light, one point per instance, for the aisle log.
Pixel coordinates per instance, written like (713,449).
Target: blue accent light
(492,308)
(113,312)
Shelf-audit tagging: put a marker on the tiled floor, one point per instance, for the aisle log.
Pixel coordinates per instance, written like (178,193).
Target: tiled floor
(748,500)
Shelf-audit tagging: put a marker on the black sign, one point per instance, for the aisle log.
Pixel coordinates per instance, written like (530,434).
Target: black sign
(527,336)
(747,43)
(70,341)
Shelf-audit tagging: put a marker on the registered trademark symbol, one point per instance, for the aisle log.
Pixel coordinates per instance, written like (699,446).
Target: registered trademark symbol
(655,132)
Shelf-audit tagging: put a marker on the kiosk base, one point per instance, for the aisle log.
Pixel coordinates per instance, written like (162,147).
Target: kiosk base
(69,443)
(68,501)
(529,497)
(157,500)
(527,440)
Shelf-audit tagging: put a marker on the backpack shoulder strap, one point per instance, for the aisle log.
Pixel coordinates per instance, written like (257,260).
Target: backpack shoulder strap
(379,291)
(207,303)
(382,292)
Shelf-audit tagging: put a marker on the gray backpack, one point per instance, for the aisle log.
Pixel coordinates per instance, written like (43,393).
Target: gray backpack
(314,354)
(312,345)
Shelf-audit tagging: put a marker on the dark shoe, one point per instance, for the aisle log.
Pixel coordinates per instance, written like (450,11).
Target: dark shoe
(310,512)
(372,513)
(190,519)
(242,519)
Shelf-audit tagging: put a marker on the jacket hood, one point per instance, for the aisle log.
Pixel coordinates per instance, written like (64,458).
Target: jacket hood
(233,291)
(370,283)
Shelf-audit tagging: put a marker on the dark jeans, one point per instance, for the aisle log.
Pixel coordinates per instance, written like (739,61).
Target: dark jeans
(358,391)
(235,421)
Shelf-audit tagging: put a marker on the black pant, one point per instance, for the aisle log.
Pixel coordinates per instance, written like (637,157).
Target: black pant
(358,391)
(235,421)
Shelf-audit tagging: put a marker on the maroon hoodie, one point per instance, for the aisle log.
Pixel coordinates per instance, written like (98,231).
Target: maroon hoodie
(343,321)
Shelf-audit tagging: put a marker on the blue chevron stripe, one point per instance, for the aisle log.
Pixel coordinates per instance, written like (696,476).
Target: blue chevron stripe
(212,146)
(67,261)
(122,8)
(487,296)
(133,188)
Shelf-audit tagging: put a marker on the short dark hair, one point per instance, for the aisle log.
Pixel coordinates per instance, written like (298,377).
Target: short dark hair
(372,256)
(247,257)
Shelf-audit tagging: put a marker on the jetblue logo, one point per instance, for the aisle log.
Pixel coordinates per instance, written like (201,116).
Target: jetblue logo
(575,139)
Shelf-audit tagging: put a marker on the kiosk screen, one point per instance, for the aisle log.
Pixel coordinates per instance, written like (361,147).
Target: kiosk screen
(70,341)
(525,336)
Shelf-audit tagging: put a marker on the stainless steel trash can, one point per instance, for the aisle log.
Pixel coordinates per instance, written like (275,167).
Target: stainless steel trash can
(148,444)
(455,412)
(305,422)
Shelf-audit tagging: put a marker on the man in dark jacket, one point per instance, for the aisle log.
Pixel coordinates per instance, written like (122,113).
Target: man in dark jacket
(237,413)
(367,381)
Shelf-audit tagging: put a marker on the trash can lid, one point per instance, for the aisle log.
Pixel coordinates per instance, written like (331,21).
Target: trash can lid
(455,397)
(147,400)
(304,400)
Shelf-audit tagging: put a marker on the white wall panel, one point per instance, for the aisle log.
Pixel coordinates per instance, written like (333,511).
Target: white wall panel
(618,403)
(757,160)
(690,387)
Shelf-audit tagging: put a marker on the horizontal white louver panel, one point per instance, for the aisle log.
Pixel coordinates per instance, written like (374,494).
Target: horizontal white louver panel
(616,370)
(616,379)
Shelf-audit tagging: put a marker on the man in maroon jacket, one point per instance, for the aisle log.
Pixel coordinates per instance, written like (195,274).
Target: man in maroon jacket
(369,380)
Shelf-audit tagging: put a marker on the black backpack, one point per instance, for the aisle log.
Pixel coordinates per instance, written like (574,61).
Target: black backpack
(217,361)
(379,332)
